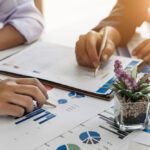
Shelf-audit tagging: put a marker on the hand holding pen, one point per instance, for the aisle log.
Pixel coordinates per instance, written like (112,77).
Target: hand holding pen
(88,47)
(18,95)
(102,47)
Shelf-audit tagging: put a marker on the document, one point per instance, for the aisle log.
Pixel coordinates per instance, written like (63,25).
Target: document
(57,64)
(78,123)
(36,129)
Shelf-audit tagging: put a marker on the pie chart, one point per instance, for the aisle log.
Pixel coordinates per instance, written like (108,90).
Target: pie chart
(74,94)
(62,101)
(69,147)
(90,137)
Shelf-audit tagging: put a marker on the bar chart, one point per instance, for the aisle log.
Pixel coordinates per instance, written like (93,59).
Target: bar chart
(39,115)
(109,124)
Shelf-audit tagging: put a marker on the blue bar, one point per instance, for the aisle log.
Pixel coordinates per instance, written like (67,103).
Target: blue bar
(38,118)
(131,65)
(106,86)
(35,112)
(47,118)
(30,115)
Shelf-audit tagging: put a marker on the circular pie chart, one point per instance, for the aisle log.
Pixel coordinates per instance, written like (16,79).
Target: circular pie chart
(90,137)
(62,101)
(74,94)
(69,147)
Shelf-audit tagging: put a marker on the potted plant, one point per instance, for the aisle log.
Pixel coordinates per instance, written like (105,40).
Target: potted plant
(131,98)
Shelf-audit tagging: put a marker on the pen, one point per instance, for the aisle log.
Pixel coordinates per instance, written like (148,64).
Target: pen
(103,44)
(50,104)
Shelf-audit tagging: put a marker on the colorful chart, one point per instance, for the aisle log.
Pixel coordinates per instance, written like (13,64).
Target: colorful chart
(90,137)
(105,89)
(39,115)
(69,147)
(62,101)
(74,94)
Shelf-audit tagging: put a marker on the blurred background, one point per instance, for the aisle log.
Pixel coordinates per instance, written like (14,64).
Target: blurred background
(75,16)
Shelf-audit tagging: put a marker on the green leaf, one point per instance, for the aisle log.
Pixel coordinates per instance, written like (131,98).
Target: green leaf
(136,96)
(118,85)
(144,86)
(134,72)
(145,91)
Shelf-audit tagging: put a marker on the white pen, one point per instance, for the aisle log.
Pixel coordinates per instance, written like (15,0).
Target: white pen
(103,44)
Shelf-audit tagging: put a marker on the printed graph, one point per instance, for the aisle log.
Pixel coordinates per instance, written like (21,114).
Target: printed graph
(90,137)
(110,125)
(62,101)
(69,147)
(74,94)
(39,115)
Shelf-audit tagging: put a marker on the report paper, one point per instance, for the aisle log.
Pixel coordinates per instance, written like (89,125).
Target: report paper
(58,64)
(37,128)
(78,123)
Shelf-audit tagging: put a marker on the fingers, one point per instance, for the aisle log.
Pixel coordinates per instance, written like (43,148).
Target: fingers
(88,46)
(11,110)
(81,54)
(17,95)
(108,51)
(35,82)
(32,91)
(91,48)
(26,102)
(138,49)
(147,58)
(143,51)
(86,49)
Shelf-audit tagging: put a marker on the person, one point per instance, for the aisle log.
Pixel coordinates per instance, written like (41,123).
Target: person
(17,95)
(120,24)
(21,23)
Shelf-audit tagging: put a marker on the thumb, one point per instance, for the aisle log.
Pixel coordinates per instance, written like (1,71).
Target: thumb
(91,47)
(108,50)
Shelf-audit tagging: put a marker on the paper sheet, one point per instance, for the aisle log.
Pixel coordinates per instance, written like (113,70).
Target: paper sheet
(79,122)
(45,124)
(58,64)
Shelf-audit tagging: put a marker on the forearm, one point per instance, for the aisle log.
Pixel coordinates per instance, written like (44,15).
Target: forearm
(125,17)
(27,20)
(10,37)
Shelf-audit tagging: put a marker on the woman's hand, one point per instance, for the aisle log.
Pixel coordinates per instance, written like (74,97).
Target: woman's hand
(88,45)
(142,51)
(17,95)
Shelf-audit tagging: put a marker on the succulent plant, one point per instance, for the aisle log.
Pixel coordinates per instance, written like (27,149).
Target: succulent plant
(128,86)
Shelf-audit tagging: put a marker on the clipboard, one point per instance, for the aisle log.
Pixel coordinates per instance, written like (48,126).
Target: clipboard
(56,65)
(106,97)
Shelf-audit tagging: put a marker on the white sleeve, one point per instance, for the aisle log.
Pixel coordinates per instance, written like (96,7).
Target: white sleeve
(27,20)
